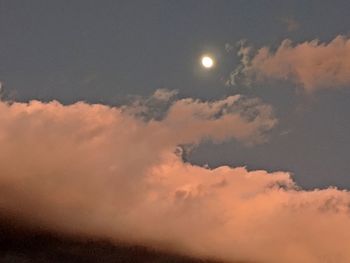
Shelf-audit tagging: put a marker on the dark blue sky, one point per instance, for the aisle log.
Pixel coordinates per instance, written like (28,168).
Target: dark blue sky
(104,51)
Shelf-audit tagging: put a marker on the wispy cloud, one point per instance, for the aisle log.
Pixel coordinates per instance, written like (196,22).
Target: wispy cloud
(311,65)
(290,23)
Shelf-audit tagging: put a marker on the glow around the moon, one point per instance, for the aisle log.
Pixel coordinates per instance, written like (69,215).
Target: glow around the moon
(207,62)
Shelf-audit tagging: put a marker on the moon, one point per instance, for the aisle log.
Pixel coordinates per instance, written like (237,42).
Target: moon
(207,62)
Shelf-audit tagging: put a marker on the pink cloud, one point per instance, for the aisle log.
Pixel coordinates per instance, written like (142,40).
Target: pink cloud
(100,170)
(312,65)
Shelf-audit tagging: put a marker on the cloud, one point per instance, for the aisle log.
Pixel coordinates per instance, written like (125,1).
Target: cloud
(153,107)
(99,170)
(311,65)
(291,23)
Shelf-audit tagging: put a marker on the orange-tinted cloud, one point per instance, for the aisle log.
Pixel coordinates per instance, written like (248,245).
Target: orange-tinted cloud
(312,65)
(100,170)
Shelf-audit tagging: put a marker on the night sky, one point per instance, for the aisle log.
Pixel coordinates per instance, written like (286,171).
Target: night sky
(121,53)
(104,52)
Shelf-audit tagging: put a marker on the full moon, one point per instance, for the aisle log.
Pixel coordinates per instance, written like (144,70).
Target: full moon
(207,62)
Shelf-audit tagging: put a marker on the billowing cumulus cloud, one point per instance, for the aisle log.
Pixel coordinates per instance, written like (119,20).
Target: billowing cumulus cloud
(311,65)
(106,171)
